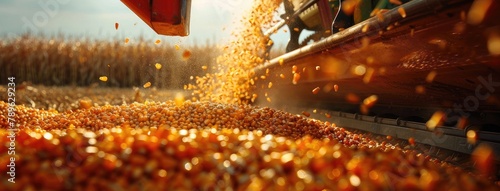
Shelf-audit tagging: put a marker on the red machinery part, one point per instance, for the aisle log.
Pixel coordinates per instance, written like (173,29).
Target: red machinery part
(166,17)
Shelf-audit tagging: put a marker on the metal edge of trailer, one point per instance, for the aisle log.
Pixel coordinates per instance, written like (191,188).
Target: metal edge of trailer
(443,137)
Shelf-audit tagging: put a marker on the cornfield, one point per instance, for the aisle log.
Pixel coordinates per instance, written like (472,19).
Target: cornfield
(58,61)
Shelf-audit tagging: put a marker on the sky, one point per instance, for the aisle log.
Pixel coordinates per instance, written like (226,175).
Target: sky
(211,20)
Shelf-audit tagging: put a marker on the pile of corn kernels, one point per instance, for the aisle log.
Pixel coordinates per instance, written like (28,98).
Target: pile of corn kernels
(209,146)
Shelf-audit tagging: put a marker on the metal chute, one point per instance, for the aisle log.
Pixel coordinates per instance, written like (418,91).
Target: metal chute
(166,17)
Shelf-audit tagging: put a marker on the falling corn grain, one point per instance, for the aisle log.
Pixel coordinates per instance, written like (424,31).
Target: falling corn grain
(327,115)
(349,6)
(365,28)
(294,69)
(328,87)
(402,12)
(430,77)
(204,67)
(420,89)
(282,76)
(103,78)
(296,78)
(270,42)
(254,96)
(484,158)
(436,120)
(317,67)
(390,27)
(127,40)
(360,70)
(186,54)
(281,61)
(478,11)
(336,87)
(471,137)
(368,75)
(116,26)
(352,98)
(370,101)
(270,85)
(380,16)
(177,47)
(158,41)
(268,99)
(158,66)
(147,85)
(395,2)
(494,43)
(316,90)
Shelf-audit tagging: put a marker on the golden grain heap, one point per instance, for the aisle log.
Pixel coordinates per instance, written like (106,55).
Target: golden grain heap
(207,146)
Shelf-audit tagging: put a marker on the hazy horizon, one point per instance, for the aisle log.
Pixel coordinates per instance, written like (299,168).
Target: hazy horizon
(211,20)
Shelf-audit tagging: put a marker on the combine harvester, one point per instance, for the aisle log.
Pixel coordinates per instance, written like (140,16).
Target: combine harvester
(426,69)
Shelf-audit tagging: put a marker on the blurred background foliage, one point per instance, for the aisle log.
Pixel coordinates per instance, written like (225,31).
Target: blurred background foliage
(73,61)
